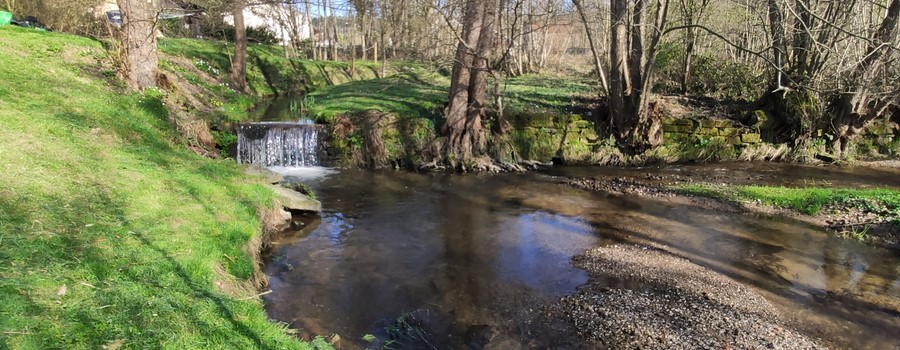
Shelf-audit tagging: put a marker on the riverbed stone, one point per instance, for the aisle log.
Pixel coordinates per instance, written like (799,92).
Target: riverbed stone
(642,298)
(296,201)
(267,175)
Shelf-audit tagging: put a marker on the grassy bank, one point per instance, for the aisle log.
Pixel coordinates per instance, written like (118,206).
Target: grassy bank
(419,93)
(810,201)
(206,63)
(112,234)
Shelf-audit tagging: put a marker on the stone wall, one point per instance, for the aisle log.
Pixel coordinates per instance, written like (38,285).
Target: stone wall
(726,131)
(574,140)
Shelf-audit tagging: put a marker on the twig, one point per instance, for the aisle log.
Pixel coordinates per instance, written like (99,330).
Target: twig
(13,332)
(257,296)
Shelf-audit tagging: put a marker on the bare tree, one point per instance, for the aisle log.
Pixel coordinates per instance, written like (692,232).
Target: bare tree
(861,103)
(594,50)
(692,13)
(637,128)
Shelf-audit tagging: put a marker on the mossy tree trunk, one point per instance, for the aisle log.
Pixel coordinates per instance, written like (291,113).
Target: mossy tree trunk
(141,61)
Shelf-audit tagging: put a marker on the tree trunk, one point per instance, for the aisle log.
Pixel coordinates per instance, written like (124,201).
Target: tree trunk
(478,83)
(307,20)
(590,36)
(686,63)
(139,29)
(239,61)
(465,138)
(779,47)
(637,128)
(334,35)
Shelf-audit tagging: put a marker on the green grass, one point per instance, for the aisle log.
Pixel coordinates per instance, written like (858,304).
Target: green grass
(414,93)
(545,93)
(269,71)
(111,232)
(809,200)
(419,93)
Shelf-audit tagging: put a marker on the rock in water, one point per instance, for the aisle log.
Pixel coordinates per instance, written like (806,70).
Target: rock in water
(270,177)
(295,201)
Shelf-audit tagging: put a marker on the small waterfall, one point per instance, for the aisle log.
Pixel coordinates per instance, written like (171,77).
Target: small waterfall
(279,144)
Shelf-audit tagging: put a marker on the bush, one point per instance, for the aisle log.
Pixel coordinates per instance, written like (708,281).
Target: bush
(71,16)
(218,29)
(711,76)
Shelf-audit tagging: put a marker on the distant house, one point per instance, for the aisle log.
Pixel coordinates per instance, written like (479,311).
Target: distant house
(285,21)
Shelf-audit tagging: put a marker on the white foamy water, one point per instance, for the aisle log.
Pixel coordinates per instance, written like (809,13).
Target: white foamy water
(310,173)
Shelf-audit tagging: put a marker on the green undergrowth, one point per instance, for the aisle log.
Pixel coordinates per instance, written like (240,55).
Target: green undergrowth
(112,234)
(809,201)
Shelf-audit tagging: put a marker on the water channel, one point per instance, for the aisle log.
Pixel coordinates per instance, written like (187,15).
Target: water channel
(481,254)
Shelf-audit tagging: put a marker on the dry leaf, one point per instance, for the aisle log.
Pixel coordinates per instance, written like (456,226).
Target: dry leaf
(115,344)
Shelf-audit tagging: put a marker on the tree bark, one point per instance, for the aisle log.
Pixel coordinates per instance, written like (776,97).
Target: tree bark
(239,61)
(465,137)
(779,47)
(139,29)
(637,129)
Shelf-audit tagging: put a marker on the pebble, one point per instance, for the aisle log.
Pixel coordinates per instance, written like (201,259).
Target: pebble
(666,302)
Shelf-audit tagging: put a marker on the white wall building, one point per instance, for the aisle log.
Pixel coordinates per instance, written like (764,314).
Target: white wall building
(282,20)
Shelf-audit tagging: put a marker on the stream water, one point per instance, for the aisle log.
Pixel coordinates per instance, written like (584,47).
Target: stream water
(474,257)
(440,261)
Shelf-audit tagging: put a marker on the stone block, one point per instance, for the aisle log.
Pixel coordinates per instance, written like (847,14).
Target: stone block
(728,132)
(750,138)
(723,123)
(671,128)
